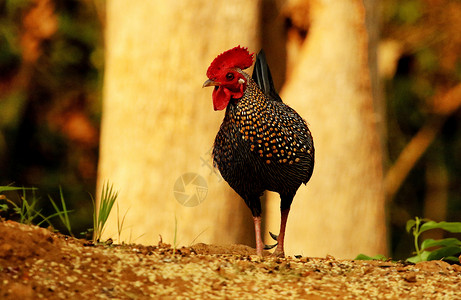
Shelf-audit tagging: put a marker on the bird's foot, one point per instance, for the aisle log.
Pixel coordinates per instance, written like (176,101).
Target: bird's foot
(278,253)
(279,250)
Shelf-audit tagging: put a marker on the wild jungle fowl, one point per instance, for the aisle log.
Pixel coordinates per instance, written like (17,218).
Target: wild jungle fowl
(262,144)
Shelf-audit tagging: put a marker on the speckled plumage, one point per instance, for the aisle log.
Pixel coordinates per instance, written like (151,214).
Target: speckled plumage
(263,144)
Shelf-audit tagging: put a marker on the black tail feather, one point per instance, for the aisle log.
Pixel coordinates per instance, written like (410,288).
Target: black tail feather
(263,78)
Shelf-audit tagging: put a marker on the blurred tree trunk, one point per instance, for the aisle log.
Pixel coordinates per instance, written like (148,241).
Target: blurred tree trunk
(342,210)
(158,123)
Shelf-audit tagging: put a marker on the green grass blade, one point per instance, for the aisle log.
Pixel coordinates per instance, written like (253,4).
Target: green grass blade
(62,214)
(9,188)
(65,211)
(175,234)
(120,224)
(46,219)
(108,198)
(56,208)
(28,211)
(95,221)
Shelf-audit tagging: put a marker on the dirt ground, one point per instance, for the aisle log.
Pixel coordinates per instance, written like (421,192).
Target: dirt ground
(38,264)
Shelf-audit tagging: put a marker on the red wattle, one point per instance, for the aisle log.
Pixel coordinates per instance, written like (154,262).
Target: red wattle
(221,98)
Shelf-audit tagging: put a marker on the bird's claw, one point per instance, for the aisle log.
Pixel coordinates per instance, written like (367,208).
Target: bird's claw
(268,247)
(275,237)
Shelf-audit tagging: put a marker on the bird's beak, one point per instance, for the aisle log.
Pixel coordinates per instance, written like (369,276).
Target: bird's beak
(210,82)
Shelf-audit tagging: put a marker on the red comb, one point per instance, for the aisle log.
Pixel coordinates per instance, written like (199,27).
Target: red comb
(236,57)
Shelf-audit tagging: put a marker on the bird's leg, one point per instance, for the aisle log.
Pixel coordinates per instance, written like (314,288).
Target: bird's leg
(259,241)
(279,251)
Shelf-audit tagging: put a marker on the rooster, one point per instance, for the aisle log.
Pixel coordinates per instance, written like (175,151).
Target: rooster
(262,143)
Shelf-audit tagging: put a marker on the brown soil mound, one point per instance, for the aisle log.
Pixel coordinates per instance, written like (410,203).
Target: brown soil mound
(36,263)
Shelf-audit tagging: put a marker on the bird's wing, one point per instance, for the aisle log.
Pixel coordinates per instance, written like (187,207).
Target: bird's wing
(294,137)
(263,78)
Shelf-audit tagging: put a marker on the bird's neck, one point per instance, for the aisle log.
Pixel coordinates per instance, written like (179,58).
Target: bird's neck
(252,101)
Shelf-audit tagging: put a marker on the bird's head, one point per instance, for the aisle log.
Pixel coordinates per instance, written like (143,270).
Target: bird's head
(226,75)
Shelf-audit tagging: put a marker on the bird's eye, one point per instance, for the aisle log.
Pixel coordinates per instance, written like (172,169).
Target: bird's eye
(229,76)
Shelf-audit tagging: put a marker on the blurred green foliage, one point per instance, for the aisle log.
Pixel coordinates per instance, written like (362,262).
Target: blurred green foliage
(429,65)
(51,68)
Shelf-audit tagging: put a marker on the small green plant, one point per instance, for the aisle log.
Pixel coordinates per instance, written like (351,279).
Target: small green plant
(28,211)
(100,216)
(444,249)
(62,214)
